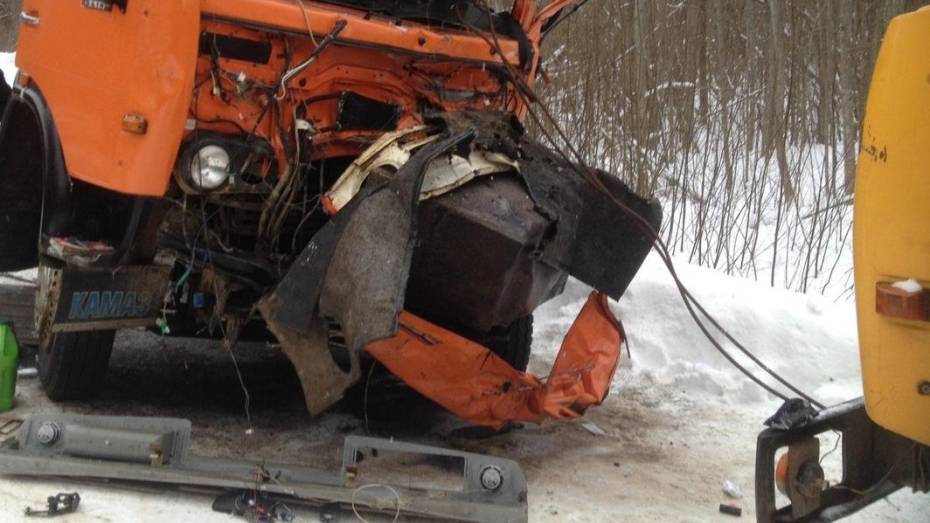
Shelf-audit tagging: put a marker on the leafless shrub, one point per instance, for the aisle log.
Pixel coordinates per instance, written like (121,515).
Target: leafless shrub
(9,23)
(741,115)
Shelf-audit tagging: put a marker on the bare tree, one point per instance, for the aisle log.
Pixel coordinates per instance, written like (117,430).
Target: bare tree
(741,115)
(9,23)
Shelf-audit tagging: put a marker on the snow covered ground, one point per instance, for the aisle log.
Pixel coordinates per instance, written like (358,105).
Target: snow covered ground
(8,66)
(678,422)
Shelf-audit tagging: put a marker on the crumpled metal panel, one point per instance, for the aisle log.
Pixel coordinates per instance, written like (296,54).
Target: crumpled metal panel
(592,238)
(367,277)
(353,271)
(474,265)
(472,382)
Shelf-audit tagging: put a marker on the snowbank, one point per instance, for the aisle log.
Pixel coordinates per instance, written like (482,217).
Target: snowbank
(8,65)
(808,339)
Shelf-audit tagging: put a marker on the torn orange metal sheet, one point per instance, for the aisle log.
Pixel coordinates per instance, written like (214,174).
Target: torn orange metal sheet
(472,382)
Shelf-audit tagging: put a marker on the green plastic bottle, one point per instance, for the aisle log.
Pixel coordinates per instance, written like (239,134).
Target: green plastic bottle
(9,354)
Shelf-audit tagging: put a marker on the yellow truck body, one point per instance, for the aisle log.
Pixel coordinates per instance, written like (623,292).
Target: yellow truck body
(892,229)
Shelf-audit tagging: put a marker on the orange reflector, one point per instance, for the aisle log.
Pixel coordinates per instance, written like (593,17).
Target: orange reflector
(781,474)
(904,304)
(474,383)
(135,123)
(22,79)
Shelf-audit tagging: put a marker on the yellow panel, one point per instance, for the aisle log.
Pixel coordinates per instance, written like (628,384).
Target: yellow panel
(892,225)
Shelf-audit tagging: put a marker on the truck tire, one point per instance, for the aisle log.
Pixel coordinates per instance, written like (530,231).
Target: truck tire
(513,343)
(72,365)
(5,92)
(21,156)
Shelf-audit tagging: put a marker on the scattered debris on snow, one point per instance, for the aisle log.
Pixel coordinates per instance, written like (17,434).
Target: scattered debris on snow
(27,372)
(731,489)
(592,427)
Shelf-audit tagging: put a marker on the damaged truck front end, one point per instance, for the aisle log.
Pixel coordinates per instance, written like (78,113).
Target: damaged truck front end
(352,176)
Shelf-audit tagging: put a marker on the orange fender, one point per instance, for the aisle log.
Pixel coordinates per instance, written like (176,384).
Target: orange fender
(472,382)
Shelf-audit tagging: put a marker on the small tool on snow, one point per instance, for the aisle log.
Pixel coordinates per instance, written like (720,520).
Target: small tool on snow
(732,510)
(62,503)
(255,506)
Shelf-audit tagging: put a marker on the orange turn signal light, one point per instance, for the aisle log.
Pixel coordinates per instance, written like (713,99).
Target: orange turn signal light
(906,304)
(135,123)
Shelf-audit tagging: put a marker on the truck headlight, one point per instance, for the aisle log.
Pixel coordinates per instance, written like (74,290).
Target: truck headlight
(210,167)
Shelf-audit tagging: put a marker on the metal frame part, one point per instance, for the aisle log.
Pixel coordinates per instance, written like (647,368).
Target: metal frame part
(157,450)
(876,463)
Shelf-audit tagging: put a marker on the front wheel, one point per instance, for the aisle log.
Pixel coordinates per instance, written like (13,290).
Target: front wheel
(72,365)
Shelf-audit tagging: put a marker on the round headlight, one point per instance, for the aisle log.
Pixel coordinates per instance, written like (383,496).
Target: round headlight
(210,168)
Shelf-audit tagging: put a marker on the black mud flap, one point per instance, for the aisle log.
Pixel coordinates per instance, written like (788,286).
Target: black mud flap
(352,274)
(71,299)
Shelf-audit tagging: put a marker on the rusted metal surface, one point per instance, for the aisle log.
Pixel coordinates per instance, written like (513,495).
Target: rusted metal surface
(476,261)
(495,249)
(590,236)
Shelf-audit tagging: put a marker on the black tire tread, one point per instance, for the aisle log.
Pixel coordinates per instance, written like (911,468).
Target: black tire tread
(19,235)
(513,343)
(72,365)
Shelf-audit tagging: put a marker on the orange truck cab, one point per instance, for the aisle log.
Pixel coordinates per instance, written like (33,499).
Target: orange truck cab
(310,173)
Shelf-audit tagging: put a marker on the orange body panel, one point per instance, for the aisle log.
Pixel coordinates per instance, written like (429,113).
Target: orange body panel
(95,67)
(360,29)
(407,81)
(477,385)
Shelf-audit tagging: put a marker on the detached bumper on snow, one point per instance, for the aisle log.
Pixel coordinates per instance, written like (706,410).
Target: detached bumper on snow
(157,451)
(469,223)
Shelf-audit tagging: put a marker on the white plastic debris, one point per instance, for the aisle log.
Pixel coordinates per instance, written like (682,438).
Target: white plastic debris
(27,372)
(909,286)
(592,428)
(731,489)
